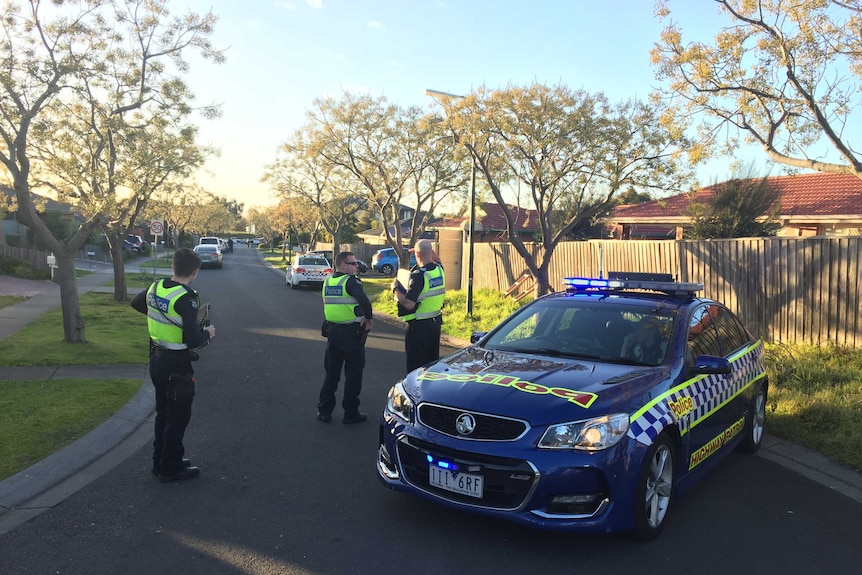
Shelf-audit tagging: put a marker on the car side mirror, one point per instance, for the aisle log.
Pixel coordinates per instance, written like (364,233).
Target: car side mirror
(708,364)
(477,335)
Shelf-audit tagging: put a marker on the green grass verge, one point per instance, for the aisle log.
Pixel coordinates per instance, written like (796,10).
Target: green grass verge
(41,417)
(7,300)
(115,334)
(489,307)
(815,399)
(141,279)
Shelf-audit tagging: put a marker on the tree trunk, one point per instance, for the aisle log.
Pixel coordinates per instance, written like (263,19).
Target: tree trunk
(543,284)
(73,323)
(120,292)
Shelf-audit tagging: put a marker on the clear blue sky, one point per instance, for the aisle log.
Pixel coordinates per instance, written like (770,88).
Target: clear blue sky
(281,55)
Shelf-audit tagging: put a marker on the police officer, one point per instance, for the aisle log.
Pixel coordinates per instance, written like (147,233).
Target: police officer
(420,305)
(348,320)
(172,319)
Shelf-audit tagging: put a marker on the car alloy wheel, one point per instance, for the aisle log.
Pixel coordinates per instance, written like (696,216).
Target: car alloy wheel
(755,422)
(655,489)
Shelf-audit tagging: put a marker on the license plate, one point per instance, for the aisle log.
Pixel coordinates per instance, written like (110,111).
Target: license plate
(462,483)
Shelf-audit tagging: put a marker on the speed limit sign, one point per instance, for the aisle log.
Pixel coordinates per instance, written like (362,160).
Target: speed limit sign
(157,227)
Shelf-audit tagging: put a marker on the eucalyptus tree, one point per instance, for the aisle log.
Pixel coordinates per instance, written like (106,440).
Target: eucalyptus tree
(175,203)
(782,75)
(212,216)
(570,152)
(69,56)
(331,192)
(396,156)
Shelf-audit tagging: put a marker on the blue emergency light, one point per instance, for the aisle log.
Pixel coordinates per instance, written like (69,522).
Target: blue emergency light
(441,463)
(639,281)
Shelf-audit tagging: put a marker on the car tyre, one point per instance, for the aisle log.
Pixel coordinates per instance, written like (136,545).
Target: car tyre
(293,285)
(387,269)
(755,422)
(654,489)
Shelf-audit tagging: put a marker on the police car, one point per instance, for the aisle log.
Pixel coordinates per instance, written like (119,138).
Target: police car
(589,410)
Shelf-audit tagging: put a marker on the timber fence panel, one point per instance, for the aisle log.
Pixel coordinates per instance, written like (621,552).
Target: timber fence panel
(37,259)
(783,289)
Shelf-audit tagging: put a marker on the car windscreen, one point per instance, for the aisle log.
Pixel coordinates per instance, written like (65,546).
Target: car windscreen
(570,327)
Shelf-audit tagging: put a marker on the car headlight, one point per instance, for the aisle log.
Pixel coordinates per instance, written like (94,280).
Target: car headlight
(588,435)
(398,403)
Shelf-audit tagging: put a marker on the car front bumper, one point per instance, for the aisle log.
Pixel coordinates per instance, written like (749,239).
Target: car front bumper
(552,489)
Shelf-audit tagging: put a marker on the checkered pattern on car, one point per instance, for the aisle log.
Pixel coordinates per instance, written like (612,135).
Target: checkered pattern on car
(708,393)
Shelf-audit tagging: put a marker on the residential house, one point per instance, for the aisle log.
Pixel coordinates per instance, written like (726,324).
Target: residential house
(811,205)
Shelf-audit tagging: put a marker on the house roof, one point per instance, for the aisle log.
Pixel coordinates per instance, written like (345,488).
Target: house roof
(803,197)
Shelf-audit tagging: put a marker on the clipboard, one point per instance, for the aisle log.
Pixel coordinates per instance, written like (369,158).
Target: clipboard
(403,278)
(203,320)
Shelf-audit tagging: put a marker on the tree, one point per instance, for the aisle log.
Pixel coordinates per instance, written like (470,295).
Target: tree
(330,191)
(782,74)
(176,204)
(740,208)
(572,151)
(396,156)
(46,61)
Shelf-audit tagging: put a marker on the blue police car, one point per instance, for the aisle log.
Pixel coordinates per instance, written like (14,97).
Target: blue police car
(589,410)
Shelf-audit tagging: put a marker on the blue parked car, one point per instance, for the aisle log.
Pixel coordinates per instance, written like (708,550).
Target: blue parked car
(386,262)
(584,411)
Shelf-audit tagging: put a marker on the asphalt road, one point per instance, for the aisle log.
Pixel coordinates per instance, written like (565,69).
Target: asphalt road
(283,493)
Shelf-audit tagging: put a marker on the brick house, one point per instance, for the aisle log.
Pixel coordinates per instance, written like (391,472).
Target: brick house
(811,205)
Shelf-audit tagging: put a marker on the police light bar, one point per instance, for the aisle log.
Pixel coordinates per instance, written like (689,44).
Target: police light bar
(581,285)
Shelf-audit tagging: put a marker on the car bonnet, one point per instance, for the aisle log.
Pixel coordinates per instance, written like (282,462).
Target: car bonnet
(539,389)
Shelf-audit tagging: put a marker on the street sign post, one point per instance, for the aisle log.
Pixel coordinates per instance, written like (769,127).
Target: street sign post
(157,228)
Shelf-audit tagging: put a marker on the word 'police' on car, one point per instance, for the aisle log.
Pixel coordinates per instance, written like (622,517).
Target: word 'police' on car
(589,410)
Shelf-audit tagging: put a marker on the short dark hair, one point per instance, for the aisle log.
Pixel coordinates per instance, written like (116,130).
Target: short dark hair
(339,259)
(185,262)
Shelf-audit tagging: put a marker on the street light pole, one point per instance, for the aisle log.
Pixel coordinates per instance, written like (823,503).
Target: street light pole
(444,98)
(472,239)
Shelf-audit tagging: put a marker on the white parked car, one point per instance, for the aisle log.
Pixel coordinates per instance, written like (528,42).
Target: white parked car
(307,269)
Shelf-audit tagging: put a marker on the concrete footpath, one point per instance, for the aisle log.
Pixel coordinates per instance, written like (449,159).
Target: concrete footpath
(45,484)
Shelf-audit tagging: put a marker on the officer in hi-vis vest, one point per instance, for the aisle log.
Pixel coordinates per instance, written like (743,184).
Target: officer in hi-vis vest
(420,305)
(175,332)
(348,320)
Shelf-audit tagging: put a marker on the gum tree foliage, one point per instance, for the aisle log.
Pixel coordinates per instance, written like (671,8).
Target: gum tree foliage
(784,75)
(51,57)
(177,205)
(331,192)
(569,153)
(740,208)
(396,156)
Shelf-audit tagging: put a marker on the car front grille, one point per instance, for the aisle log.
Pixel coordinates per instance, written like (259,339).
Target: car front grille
(488,427)
(508,482)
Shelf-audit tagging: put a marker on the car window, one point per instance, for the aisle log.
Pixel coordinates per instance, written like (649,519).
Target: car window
(313,262)
(702,337)
(569,328)
(731,333)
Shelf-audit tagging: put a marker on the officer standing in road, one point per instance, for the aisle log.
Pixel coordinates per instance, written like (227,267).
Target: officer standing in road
(420,305)
(348,320)
(172,319)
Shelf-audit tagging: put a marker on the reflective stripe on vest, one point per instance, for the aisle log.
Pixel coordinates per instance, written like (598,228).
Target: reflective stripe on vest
(338,305)
(164,323)
(431,297)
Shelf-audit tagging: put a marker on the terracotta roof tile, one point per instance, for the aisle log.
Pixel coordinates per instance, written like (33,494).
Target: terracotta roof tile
(818,194)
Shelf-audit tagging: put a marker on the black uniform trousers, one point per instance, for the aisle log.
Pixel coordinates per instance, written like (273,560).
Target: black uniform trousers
(344,349)
(422,342)
(172,416)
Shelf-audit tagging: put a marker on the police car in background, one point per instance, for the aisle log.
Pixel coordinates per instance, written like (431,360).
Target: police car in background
(589,410)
